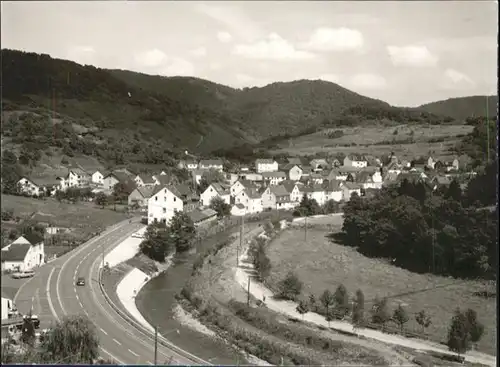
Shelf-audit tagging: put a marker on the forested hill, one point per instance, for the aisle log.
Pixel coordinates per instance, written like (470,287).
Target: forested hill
(95,98)
(461,108)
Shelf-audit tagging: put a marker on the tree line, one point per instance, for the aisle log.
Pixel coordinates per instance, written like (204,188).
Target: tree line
(423,230)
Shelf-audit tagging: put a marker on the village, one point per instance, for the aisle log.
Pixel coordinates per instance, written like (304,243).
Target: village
(268,185)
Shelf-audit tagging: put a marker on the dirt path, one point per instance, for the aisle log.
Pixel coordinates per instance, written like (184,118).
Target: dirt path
(258,290)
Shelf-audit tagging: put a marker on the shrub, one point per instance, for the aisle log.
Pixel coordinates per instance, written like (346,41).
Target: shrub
(290,287)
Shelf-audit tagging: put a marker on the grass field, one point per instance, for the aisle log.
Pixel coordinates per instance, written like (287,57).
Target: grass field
(367,141)
(82,218)
(321,265)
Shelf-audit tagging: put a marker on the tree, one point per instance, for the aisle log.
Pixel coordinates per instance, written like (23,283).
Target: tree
(73,340)
(28,332)
(222,208)
(358,309)
(380,312)
(101,199)
(475,328)
(122,190)
(312,302)
(423,320)
(400,316)
(458,334)
(331,206)
(329,316)
(341,300)
(308,207)
(182,230)
(208,177)
(290,287)
(157,243)
(327,299)
(8,158)
(454,191)
(302,308)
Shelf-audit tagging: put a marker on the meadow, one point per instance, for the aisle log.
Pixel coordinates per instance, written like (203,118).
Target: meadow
(321,265)
(434,139)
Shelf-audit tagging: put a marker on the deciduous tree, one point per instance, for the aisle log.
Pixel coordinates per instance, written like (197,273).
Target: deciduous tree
(423,320)
(302,308)
(222,208)
(458,334)
(290,287)
(400,316)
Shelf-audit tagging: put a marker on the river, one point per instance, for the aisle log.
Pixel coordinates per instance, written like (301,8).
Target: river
(156,301)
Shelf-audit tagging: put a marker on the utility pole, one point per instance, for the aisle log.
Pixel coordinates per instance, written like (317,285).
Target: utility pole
(156,345)
(241,242)
(248,293)
(487,130)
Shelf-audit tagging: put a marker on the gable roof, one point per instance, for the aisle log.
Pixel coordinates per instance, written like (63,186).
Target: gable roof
(146,179)
(273,174)
(279,190)
(246,183)
(288,185)
(220,189)
(332,185)
(364,177)
(146,192)
(356,157)
(16,252)
(211,162)
(252,193)
(79,171)
(120,176)
(351,185)
(33,238)
(198,215)
(264,161)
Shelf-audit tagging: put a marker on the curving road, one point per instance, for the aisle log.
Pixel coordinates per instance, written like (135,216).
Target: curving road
(52,294)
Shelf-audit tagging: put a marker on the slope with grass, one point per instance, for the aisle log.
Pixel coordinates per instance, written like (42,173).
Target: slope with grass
(321,264)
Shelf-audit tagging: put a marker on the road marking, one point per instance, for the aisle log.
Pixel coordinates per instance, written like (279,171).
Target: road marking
(104,332)
(48,295)
(85,312)
(78,298)
(116,341)
(134,353)
(149,362)
(113,357)
(80,304)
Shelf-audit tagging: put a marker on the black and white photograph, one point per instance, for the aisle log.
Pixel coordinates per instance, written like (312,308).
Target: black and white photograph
(256,183)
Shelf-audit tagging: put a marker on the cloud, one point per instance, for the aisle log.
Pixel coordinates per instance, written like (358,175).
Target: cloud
(151,58)
(454,79)
(232,18)
(274,47)
(335,39)
(178,67)
(81,54)
(224,37)
(199,52)
(330,78)
(156,61)
(367,82)
(416,56)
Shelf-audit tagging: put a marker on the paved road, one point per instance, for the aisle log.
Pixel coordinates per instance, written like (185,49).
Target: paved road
(52,294)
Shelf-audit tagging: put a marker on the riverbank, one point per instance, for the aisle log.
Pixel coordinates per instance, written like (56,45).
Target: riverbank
(218,302)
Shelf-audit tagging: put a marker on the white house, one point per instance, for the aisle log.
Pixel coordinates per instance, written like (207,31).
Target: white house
(197,174)
(231,178)
(163,204)
(337,175)
(251,200)
(295,173)
(140,196)
(188,164)
(266,165)
(215,190)
(319,164)
(316,192)
(394,167)
(111,179)
(353,160)
(28,187)
(316,178)
(348,188)
(25,253)
(273,178)
(334,191)
(216,164)
(369,180)
(293,189)
(77,177)
(144,180)
(276,197)
(7,305)
(251,176)
(241,185)
(431,163)
(97,178)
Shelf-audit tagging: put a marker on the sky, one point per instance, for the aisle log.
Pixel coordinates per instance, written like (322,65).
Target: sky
(405,53)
